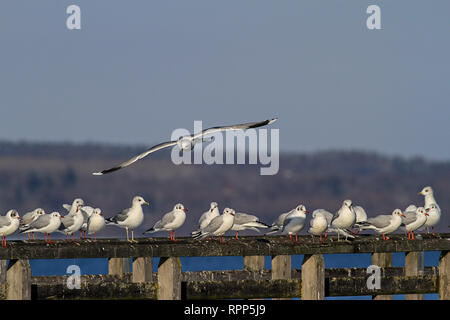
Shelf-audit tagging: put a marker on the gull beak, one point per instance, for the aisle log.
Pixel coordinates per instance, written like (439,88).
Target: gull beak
(185,210)
(403,215)
(419,193)
(306,211)
(146,203)
(20,218)
(426,214)
(427,209)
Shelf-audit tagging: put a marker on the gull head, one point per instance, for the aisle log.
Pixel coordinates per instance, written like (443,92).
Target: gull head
(13,214)
(398,212)
(432,206)
(301,208)
(213,205)
(348,203)
(421,210)
(55,215)
(39,212)
(77,203)
(426,191)
(229,211)
(138,200)
(179,207)
(97,211)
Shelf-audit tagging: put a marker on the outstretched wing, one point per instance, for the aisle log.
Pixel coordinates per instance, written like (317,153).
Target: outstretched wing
(136,158)
(243,126)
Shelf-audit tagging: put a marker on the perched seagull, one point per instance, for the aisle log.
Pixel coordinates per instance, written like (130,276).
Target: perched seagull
(187,142)
(319,223)
(207,216)
(9,224)
(361,215)
(218,226)
(344,218)
(29,217)
(411,207)
(95,222)
(46,224)
(384,224)
(413,221)
(427,192)
(72,222)
(86,211)
(329,216)
(277,225)
(434,215)
(170,221)
(244,221)
(294,222)
(130,218)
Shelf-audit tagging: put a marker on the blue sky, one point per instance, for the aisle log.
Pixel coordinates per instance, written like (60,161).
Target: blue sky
(139,69)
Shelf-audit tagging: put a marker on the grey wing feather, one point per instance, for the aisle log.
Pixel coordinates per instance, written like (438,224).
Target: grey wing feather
(410,217)
(66,222)
(166,219)
(40,222)
(242,218)
(4,222)
(242,126)
(138,157)
(381,221)
(213,225)
(121,216)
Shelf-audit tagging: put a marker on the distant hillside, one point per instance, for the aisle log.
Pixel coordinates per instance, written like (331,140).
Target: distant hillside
(48,175)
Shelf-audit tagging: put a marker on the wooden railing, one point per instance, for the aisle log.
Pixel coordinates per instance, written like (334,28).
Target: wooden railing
(312,281)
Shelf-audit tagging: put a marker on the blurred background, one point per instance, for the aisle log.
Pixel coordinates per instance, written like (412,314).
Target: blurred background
(363,114)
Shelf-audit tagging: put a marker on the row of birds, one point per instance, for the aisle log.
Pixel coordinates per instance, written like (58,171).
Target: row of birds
(89,221)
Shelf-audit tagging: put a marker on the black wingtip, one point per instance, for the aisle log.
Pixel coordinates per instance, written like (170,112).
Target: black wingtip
(106,171)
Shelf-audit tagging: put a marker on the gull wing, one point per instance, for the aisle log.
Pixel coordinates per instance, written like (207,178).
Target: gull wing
(136,158)
(243,126)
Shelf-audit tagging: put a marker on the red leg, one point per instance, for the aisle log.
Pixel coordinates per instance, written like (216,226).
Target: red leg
(237,235)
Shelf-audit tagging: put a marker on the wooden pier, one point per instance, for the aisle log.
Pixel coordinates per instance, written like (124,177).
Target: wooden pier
(313,281)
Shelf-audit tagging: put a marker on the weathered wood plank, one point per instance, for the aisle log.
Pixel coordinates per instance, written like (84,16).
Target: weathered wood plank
(254,263)
(414,265)
(382,260)
(444,275)
(313,277)
(169,279)
(142,269)
(245,246)
(118,266)
(3,268)
(18,280)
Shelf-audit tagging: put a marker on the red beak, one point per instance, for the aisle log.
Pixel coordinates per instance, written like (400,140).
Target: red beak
(306,211)
(185,210)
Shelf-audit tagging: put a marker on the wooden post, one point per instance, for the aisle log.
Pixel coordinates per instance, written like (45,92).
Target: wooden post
(169,278)
(313,277)
(118,266)
(444,275)
(2,279)
(18,280)
(143,269)
(281,268)
(414,265)
(382,260)
(254,263)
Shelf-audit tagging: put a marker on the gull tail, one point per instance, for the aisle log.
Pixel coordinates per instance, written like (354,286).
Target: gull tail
(151,230)
(273,229)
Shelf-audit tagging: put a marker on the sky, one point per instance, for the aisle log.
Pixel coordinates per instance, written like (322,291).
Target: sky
(137,70)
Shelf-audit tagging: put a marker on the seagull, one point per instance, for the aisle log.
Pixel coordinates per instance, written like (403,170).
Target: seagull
(218,226)
(319,223)
(207,216)
(170,221)
(9,224)
(436,212)
(294,222)
(434,215)
(428,193)
(329,216)
(72,222)
(277,225)
(46,223)
(187,142)
(361,215)
(86,211)
(29,217)
(384,224)
(95,222)
(345,217)
(244,221)
(130,218)
(413,221)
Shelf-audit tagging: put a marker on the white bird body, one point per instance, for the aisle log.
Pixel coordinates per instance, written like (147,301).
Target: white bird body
(384,224)
(207,216)
(345,217)
(46,223)
(318,224)
(130,218)
(9,223)
(218,226)
(428,193)
(295,221)
(434,215)
(414,220)
(29,217)
(171,220)
(361,214)
(72,222)
(96,222)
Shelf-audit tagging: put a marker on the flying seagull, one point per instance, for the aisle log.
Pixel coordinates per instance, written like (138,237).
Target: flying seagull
(187,142)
